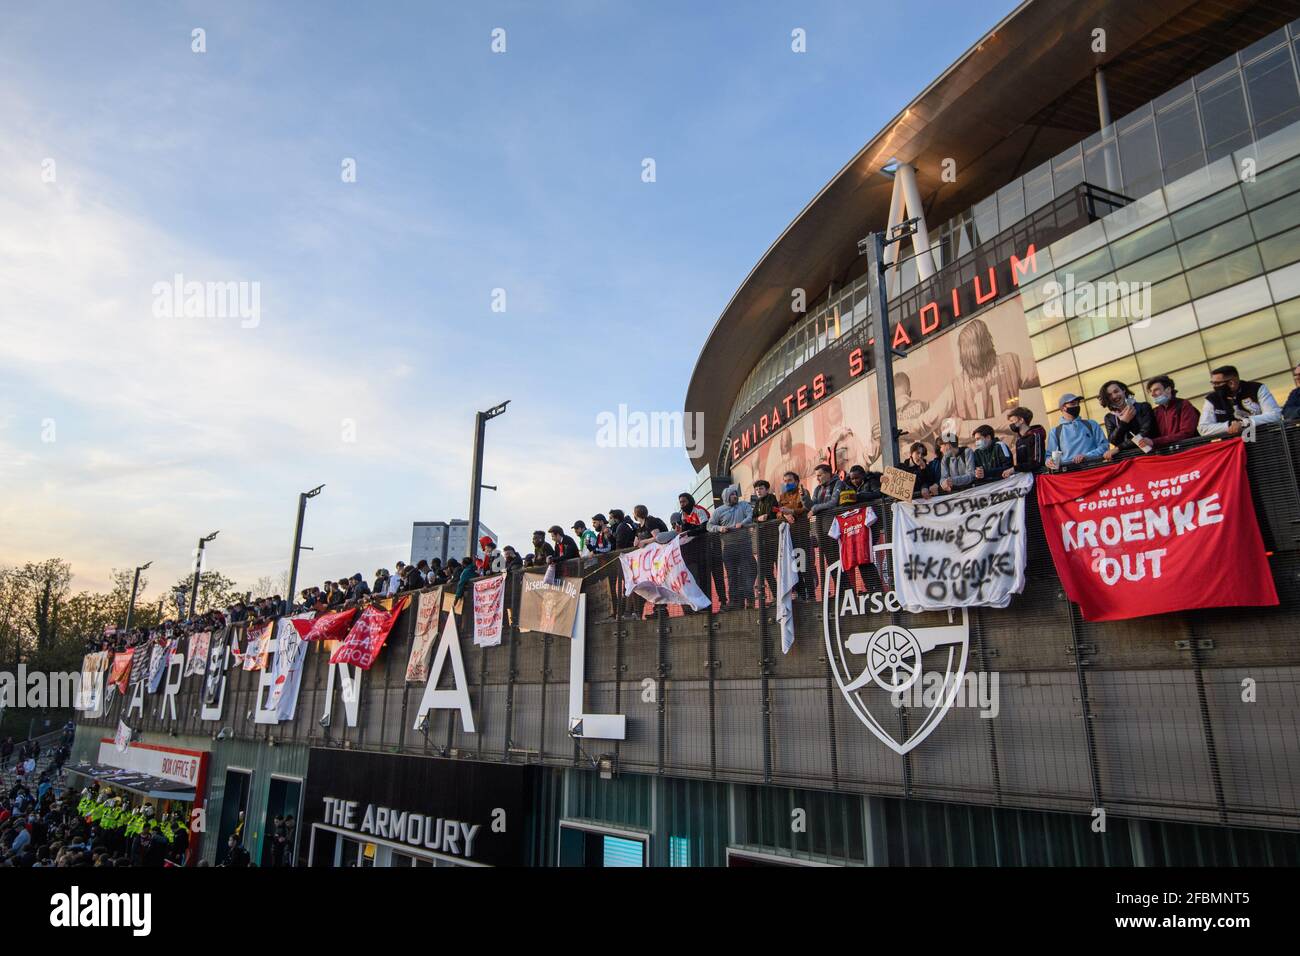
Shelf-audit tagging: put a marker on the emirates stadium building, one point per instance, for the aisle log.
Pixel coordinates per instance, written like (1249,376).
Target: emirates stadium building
(1096,191)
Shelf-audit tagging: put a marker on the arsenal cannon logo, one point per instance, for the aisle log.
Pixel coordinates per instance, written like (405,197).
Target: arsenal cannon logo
(880,655)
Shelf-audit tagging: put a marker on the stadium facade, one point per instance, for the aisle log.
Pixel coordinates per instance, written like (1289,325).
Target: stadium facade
(1153,151)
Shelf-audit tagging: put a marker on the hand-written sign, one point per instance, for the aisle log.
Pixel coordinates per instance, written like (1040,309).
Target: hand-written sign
(898,484)
(962,550)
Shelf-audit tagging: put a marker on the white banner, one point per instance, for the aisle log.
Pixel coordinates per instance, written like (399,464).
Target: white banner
(962,550)
(286,671)
(122,739)
(489,610)
(658,573)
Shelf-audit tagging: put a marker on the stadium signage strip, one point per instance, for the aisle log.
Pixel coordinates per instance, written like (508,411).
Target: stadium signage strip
(839,367)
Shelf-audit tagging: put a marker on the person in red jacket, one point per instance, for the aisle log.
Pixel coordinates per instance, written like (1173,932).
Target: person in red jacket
(1176,418)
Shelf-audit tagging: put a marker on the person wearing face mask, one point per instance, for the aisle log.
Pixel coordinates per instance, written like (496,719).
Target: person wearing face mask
(1176,418)
(926,472)
(1232,402)
(992,457)
(1031,441)
(957,466)
(1129,423)
(793,501)
(1076,439)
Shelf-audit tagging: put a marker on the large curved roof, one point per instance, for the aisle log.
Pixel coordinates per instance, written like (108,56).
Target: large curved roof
(1024,93)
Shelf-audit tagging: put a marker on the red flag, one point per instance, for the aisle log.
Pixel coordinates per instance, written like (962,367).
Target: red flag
(121,672)
(326,627)
(1157,534)
(367,636)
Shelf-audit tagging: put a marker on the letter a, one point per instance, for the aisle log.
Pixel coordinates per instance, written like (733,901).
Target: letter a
(457,698)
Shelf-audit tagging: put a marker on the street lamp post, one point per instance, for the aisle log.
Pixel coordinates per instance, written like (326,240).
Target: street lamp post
(135,586)
(297,541)
(198,567)
(476,486)
(882,349)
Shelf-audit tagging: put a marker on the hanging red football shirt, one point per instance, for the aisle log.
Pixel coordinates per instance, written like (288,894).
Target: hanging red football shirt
(850,529)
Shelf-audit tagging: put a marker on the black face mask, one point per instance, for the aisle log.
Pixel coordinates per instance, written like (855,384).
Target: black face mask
(1073,410)
(1223,388)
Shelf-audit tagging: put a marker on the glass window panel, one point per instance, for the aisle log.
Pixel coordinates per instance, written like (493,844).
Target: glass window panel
(1180,140)
(1280,250)
(1281,180)
(1221,273)
(1038,187)
(1086,268)
(1039,319)
(1087,327)
(1067,172)
(1216,242)
(1136,118)
(1274,99)
(1192,382)
(986,219)
(1277,216)
(1248,330)
(1140,159)
(1223,113)
(1173,96)
(1288,315)
(1257,362)
(1168,294)
(1011,203)
(1222,68)
(1222,206)
(1123,370)
(1280,384)
(1176,354)
(1293,350)
(1262,44)
(1053,391)
(1096,170)
(1050,342)
(1153,268)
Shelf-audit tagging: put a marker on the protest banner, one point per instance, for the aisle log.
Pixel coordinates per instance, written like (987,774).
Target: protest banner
(1157,534)
(489,610)
(965,549)
(658,573)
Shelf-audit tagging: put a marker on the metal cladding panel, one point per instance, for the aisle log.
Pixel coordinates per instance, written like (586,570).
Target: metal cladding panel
(1142,718)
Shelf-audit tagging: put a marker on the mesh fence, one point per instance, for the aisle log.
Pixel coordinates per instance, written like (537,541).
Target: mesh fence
(1145,717)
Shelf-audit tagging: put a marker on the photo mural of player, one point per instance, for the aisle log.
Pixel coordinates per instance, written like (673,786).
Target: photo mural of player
(971,375)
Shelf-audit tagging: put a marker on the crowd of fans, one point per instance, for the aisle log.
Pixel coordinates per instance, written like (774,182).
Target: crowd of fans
(1129,427)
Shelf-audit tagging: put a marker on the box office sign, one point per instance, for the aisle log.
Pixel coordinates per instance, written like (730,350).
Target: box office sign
(461,809)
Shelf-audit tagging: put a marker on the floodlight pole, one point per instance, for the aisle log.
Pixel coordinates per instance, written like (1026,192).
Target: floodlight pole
(297,542)
(476,483)
(135,586)
(882,349)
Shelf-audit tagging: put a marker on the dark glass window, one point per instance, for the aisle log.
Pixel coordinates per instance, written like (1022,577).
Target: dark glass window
(1274,99)
(1180,140)
(1141,160)
(1223,111)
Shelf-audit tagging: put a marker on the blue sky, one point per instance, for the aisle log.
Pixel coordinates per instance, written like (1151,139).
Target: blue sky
(125,435)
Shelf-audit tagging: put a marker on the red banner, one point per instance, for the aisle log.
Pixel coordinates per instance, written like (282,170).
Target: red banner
(367,636)
(121,670)
(1157,534)
(326,627)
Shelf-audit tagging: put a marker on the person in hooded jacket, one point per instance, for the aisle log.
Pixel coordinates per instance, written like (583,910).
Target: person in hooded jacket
(1029,453)
(730,520)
